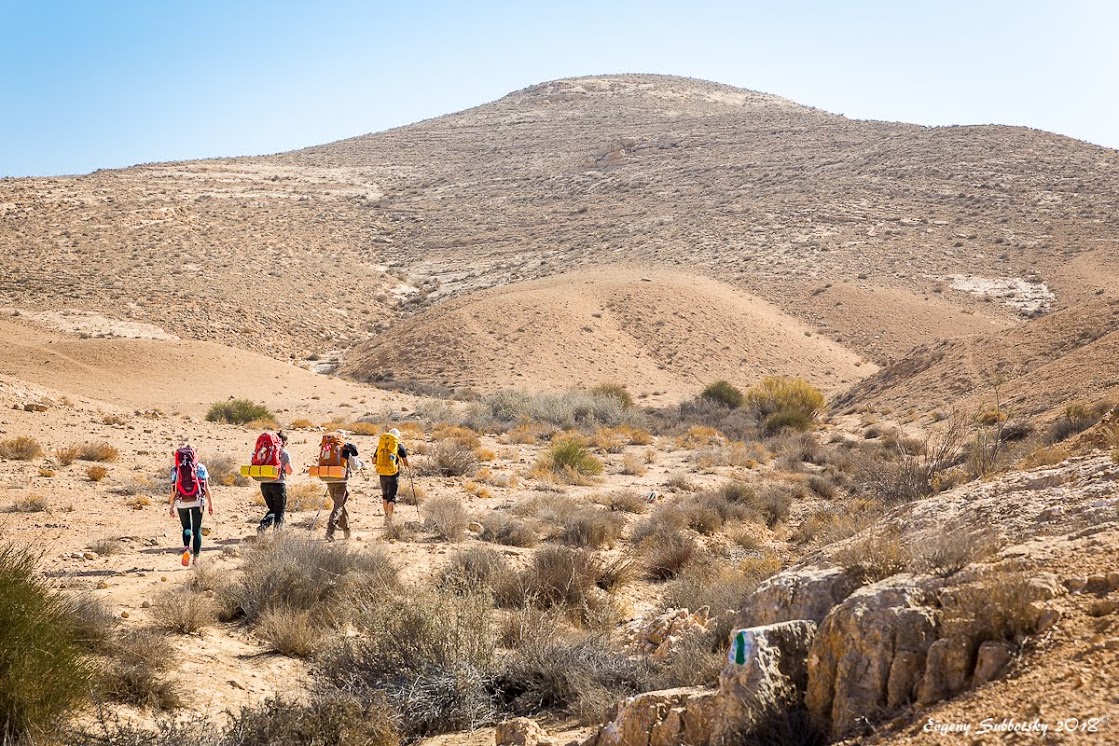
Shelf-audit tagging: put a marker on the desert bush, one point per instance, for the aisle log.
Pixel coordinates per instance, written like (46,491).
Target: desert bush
(634,465)
(590,527)
(573,409)
(456,433)
(947,552)
(1075,418)
(667,554)
(332,718)
(431,655)
(832,524)
(67,454)
(297,573)
(474,570)
(301,423)
(561,577)
(106,546)
(626,501)
(873,556)
(96,473)
(29,504)
(570,459)
(183,612)
(238,412)
(133,672)
(100,451)
(723,393)
(402,531)
(307,496)
(501,528)
(449,458)
(615,390)
(775,394)
(447,517)
(680,483)
(93,623)
(22,448)
(290,632)
(582,677)
(225,470)
(43,673)
(822,486)
(996,606)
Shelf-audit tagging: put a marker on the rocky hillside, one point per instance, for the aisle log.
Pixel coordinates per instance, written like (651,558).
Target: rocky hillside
(878,236)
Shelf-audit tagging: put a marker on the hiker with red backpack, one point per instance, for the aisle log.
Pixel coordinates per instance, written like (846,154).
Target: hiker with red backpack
(390,455)
(271,449)
(190,492)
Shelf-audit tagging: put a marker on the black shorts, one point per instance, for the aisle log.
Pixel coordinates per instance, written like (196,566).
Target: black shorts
(389,485)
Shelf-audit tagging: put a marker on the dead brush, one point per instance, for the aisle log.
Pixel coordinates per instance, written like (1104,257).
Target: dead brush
(183,612)
(625,501)
(590,527)
(22,448)
(225,470)
(29,504)
(290,632)
(501,528)
(871,557)
(133,672)
(945,553)
(633,464)
(449,458)
(456,433)
(996,606)
(666,555)
(474,570)
(298,573)
(446,517)
(101,451)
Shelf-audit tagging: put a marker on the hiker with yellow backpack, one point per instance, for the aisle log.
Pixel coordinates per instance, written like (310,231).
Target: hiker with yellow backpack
(391,454)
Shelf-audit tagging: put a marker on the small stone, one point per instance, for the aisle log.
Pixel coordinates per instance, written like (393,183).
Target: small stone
(163,579)
(991,662)
(1096,584)
(102,585)
(1046,619)
(359,537)
(474,527)
(124,615)
(89,555)
(146,605)
(1113,580)
(1075,585)
(1103,607)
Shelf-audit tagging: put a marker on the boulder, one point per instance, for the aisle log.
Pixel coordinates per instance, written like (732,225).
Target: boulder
(808,593)
(669,717)
(766,672)
(520,732)
(869,654)
(991,661)
(948,667)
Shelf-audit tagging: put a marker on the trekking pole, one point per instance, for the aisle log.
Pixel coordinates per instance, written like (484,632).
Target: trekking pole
(411,482)
(316,521)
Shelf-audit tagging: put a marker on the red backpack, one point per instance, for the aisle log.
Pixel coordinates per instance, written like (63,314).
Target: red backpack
(186,482)
(267,451)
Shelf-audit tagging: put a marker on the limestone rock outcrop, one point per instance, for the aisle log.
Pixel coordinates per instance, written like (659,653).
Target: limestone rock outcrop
(806,593)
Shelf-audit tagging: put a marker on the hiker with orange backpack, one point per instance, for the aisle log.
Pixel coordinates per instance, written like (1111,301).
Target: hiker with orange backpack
(271,449)
(337,462)
(190,491)
(390,455)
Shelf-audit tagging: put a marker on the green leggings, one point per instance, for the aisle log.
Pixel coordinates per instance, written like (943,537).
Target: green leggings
(191,518)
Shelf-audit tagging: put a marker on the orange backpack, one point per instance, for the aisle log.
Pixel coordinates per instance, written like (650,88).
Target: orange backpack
(330,450)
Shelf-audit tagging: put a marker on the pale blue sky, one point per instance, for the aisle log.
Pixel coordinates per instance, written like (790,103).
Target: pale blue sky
(87,84)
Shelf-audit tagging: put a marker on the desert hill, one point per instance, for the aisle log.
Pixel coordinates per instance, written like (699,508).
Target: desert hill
(662,333)
(875,235)
(1065,357)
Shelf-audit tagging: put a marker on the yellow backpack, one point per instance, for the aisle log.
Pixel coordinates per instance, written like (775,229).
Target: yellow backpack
(387,455)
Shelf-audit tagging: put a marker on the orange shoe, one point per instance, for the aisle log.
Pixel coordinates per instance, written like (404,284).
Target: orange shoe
(186,558)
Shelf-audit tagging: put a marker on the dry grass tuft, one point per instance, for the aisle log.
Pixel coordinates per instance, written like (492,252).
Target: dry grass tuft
(96,473)
(22,448)
(447,517)
(29,504)
(183,612)
(289,632)
(501,528)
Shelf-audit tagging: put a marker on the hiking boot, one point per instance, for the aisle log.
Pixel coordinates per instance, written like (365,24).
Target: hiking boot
(330,537)
(345,533)
(196,558)
(186,558)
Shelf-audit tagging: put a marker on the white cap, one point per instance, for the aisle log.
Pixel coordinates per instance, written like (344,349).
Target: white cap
(395,433)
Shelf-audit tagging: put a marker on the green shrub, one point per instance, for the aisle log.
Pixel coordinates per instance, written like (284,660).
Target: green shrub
(42,670)
(615,390)
(571,456)
(238,412)
(794,399)
(786,419)
(723,393)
